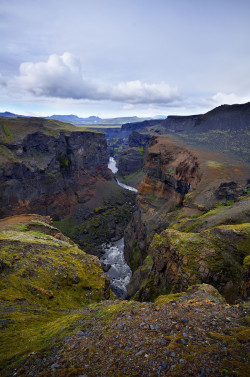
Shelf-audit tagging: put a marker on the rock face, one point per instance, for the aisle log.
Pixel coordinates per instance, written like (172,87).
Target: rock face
(49,171)
(184,230)
(169,173)
(137,139)
(177,260)
(130,161)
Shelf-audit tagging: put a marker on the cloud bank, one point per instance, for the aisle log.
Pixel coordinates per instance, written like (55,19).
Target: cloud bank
(61,76)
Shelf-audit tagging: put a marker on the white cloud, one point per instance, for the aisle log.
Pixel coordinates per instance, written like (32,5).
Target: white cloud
(228,99)
(61,77)
(128,106)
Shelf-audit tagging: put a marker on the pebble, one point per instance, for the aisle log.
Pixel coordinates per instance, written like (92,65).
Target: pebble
(139,353)
(54,366)
(164,364)
(163,342)
(79,332)
(183,341)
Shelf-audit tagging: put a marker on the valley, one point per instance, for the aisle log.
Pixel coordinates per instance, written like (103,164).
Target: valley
(125,250)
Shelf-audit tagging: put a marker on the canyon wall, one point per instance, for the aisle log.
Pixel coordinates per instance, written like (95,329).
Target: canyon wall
(191,223)
(49,171)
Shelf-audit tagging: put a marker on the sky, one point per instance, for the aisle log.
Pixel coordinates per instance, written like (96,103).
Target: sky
(114,58)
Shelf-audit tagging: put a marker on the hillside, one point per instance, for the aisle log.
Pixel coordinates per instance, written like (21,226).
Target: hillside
(56,319)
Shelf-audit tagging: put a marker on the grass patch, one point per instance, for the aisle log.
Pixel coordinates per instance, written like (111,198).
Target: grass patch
(32,332)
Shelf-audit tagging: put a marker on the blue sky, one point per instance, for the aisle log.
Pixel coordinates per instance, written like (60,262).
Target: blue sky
(133,57)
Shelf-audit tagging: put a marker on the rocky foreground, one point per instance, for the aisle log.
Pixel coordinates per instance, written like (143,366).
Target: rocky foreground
(59,318)
(196,334)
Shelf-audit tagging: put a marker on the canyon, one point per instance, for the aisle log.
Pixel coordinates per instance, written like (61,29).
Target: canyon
(186,228)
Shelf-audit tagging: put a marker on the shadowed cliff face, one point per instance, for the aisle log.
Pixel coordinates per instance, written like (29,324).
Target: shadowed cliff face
(50,173)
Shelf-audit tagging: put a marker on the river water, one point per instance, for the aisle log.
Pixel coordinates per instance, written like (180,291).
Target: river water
(113,168)
(119,272)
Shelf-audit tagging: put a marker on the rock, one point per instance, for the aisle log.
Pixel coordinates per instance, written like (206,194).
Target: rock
(184,320)
(106,267)
(183,341)
(164,365)
(54,366)
(130,161)
(229,191)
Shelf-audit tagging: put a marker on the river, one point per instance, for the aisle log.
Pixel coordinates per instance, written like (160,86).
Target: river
(113,257)
(119,272)
(113,168)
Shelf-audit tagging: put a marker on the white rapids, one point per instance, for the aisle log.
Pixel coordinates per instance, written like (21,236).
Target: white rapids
(119,272)
(113,257)
(113,168)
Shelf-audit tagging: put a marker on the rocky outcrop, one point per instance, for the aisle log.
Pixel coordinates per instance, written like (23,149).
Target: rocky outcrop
(130,161)
(138,140)
(177,260)
(169,173)
(42,268)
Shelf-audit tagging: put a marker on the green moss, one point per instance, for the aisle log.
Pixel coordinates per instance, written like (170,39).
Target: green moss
(8,133)
(63,161)
(147,263)
(135,256)
(39,263)
(32,332)
(246,261)
(43,282)
(164,299)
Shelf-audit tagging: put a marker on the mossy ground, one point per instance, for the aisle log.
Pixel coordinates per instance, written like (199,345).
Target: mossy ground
(174,336)
(44,281)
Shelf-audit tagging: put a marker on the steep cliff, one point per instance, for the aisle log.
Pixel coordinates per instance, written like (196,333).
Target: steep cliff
(169,173)
(48,168)
(53,168)
(130,161)
(183,195)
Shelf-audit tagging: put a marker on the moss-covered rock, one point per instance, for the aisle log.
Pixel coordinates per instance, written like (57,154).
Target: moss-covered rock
(182,259)
(42,270)
(45,280)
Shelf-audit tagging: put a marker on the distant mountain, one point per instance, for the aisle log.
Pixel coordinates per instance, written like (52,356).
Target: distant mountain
(74,119)
(91,120)
(159,117)
(9,115)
